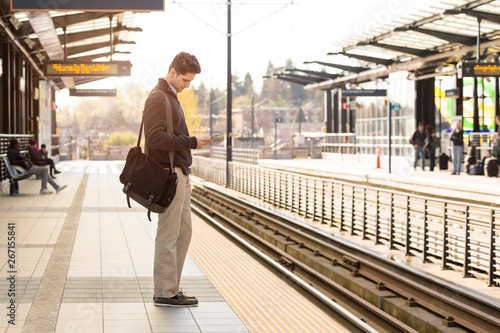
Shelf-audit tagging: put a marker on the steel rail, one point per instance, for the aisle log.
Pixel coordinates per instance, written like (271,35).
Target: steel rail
(353,323)
(429,292)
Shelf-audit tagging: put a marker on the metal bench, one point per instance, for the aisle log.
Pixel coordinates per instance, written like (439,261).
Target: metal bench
(15,173)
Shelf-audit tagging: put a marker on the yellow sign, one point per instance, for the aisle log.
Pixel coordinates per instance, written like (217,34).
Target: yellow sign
(66,68)
(486,69)
(482,69)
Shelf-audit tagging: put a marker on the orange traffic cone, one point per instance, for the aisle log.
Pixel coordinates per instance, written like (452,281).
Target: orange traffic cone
(378,155)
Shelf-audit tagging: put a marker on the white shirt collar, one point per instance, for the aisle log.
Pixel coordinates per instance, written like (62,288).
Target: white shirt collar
(173,89)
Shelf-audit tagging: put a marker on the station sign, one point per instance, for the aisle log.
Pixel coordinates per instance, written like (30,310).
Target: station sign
(364,92)
(451,93)
(92,92)
(481,69)
(88,69)
(88,5)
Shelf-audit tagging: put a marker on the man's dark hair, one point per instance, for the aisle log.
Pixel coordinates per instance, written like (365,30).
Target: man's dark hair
(43,145)
(13,143)
(420,124)
(185,63)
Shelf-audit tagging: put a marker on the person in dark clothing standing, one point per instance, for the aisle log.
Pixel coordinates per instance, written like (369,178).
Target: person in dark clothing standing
(457,141)
(431,142)
(173,233)
(15,158)
(38,158)
(496,136)
(418,141)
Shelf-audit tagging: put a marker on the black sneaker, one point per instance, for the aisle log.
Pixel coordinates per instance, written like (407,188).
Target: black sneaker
(178,301)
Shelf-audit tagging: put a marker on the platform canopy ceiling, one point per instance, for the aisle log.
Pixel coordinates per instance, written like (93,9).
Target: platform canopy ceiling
(86,36)
(426,43)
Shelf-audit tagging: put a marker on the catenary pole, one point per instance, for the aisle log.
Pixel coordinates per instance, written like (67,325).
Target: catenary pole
(229,144)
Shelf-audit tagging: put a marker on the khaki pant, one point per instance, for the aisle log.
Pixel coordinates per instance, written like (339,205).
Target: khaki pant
(173,236)
(43,172)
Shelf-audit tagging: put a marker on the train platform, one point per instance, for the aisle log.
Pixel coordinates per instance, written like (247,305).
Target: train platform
(403,177)
(84,263)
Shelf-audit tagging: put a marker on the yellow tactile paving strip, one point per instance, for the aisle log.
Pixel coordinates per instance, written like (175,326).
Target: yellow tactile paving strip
(263,301)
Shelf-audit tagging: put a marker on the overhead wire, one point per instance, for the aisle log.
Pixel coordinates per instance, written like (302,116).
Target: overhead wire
(224,3)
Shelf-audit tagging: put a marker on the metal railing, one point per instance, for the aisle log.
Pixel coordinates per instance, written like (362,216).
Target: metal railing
(242,155)
(458,235)
(349,143)
(343,143)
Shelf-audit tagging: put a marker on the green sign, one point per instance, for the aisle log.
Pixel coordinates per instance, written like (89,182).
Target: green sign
(396,107)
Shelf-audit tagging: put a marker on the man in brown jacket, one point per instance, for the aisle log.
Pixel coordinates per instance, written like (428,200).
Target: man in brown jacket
(173,234)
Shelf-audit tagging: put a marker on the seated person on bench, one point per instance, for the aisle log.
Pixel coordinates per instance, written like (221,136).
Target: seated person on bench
(38,158)
(15,158)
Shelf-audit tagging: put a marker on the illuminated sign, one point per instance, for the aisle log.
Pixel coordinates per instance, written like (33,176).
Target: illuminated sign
(471,69)
(88,5)
(68,68)
(92,92)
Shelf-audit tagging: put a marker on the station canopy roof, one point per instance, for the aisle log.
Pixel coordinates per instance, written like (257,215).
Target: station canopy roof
(426,43)
(87,38)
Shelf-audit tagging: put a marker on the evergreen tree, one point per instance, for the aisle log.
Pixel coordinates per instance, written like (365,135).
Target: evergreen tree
(248,86)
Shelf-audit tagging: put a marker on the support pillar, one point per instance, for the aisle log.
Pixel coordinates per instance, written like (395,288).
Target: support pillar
(328,110)
(336,108)
(497,99)
(476,108)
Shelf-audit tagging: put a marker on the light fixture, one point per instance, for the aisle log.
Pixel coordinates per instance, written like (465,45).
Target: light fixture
(29,42)
(449,12)
(15,22)
(401,29)
(40,56)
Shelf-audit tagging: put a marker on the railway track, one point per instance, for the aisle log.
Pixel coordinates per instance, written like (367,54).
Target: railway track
(389,296)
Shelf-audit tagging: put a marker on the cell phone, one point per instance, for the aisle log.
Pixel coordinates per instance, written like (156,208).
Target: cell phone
(214,135)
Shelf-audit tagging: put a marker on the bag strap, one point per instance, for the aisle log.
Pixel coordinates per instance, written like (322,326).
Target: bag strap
(170,127)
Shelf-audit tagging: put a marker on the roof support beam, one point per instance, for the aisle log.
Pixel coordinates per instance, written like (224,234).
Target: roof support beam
(379,61)
(404,66)
(86,48)
(468,5)
(94,56)
(305,78)
(302,83)
(316,73)
(78,36)
(401,49)
(495,18)
(452,38)
(67,20)
(338,66)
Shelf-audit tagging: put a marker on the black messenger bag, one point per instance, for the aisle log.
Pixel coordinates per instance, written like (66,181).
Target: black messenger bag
(145,180)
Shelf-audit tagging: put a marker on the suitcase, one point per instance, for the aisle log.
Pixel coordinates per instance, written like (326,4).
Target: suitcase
(443,161)
(476,170)
(471,160)
(491,167)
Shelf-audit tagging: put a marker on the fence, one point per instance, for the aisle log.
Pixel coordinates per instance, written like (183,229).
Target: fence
(343,143)
(456,234)
(349,143)
(242,155)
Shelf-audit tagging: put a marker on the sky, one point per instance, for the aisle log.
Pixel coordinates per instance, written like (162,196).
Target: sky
(262,31)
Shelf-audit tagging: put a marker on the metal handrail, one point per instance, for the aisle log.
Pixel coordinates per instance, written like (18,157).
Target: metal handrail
(458,234)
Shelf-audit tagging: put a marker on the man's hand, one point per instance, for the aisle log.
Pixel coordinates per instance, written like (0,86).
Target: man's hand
(202,142)
(416,146)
